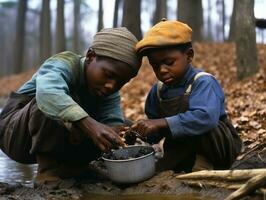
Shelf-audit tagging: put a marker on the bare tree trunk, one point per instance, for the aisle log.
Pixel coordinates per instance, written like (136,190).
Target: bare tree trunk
(221,26)
(45,31)
(1,47)
(76,26)
(160,11)
(100,15)
(246,49)
(131,16)
(31,54)
(209,22)
(20,36)
(232,24)
(60,27)
(191,12)
(7,53)
(2,43)
(223,18)
(115,21)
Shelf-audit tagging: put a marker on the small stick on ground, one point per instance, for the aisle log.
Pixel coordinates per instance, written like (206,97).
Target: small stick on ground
(253,184)
(223,175)
(212,183)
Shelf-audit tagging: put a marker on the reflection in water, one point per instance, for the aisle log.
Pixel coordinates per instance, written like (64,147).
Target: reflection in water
(13,172)
(147,197)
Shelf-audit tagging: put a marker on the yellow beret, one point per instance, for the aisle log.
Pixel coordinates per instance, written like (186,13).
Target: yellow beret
(165,33)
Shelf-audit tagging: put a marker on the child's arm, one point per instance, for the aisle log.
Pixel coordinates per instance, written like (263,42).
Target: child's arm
(151,104)
(206,101)
(103,136)
(154,124)
(206,105)
(53,93)
(53,99)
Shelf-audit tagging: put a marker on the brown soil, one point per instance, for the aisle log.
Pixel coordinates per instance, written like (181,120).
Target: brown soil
(87,187)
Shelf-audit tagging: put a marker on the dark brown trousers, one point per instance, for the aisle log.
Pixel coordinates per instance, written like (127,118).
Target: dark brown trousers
(25,131)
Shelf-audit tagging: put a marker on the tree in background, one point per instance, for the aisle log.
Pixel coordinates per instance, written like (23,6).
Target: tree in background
(76,26)
(191,12)
(100,16)
(45,31)
(60,27)
(20,36)
(223,18)
(160,11)
(31,52)
(131,17)
(115,21)
(209,36)
(232,24)
(246,50)
(221,12)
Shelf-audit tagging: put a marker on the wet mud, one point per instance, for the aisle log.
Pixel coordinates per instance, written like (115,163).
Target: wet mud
(126,156)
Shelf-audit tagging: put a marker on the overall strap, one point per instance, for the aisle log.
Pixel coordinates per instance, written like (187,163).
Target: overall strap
(189,88)
(159,88)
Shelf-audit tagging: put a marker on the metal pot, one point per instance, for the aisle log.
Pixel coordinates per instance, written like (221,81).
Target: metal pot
(131,170)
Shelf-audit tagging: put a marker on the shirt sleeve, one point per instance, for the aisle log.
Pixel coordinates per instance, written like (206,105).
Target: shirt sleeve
(53,93)
(203,115)
(110,110)
(151,104)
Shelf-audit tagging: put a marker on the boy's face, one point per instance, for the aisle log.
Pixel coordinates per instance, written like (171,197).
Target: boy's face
(105,76)
(170,65)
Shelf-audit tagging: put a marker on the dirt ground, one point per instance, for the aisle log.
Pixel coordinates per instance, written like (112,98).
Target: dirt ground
(86,187)
(245,103)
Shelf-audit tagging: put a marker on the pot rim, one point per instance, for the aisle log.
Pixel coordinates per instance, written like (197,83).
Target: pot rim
(131,159)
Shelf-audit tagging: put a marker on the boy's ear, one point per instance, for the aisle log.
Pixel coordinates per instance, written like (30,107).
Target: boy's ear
(90,55)
(190,55)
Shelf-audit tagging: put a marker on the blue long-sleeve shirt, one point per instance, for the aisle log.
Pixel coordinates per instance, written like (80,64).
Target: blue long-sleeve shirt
(59,79)
(206,104)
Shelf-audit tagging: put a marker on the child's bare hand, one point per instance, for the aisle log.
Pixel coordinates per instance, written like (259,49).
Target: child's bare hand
(104,137)
(123,130)
(150,126)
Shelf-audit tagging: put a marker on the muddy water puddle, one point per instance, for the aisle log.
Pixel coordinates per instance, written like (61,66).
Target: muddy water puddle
(147,197)
(12,172)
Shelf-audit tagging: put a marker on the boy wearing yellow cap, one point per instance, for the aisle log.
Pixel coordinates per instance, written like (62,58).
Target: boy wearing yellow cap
(63,117)
(186,106)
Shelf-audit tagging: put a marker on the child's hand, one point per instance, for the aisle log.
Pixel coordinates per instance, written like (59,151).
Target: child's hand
(150,126)
(103,136)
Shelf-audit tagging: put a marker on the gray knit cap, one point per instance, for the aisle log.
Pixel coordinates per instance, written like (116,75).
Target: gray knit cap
(117,43)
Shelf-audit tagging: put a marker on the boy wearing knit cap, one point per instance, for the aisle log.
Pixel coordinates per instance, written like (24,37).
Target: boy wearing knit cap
(186,106)
(62,118)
